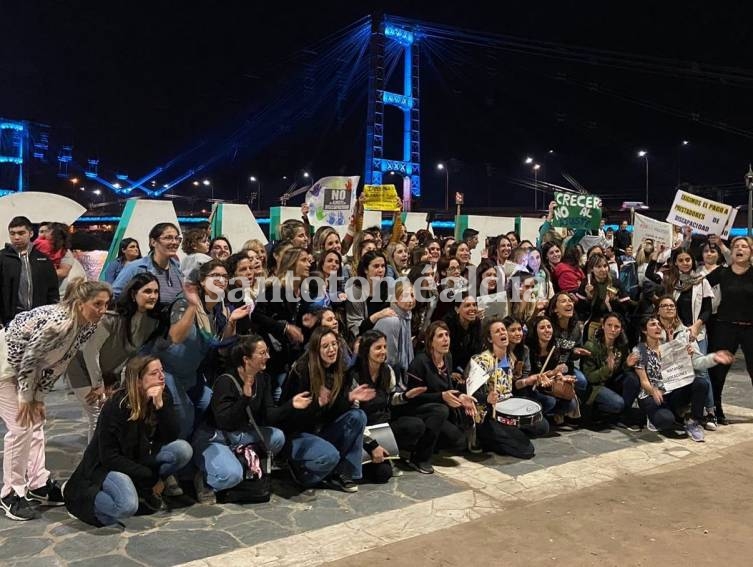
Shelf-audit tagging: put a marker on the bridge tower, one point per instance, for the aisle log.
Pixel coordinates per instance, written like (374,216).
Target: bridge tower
(409,164)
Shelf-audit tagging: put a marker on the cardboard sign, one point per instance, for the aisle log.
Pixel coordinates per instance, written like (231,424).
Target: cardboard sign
(577,211)
(332,199)
(704,216)
(658,231)
(380,198)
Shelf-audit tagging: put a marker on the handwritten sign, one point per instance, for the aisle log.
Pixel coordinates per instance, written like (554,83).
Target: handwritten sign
(676,365)
(380,198)
(704,216)
(577,210)
(658,231)
(332,199)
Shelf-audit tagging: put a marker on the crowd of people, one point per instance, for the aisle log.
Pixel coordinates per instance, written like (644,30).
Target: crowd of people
(346,361)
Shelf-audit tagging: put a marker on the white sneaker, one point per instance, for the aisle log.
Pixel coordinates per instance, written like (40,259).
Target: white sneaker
(650,426)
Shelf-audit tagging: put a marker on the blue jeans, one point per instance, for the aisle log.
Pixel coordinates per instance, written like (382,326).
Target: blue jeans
(581,384)
(703,375)
(118,498)
(214,456)
(189,411)
(609,401)
(337,448)
(553,406)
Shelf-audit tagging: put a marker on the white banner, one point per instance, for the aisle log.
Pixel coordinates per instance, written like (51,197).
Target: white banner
(658,231)
(676,365)
(704,216)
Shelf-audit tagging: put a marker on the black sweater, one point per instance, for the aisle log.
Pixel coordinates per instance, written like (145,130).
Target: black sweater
(122,446)
(737,291)
(423,372)
(229,405)
(314,417)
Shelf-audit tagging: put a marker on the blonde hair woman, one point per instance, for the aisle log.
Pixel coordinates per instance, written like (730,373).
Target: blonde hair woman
(135,447)
(35,350)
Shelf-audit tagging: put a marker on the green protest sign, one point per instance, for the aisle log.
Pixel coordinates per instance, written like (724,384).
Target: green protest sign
(577,210)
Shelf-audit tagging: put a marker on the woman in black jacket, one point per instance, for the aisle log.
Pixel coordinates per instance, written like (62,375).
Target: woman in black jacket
(240,398)
(135,446)
(372,370)
(465,332)
(324,430)
(432,369)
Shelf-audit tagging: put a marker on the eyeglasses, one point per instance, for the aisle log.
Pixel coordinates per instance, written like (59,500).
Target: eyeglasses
(218,276)
(171,239)
(667,306)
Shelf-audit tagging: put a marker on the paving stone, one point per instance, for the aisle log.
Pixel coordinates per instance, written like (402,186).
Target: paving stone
(159,548)
(47,561)
(19,547)
(106,561)
(11,528)
(88,544)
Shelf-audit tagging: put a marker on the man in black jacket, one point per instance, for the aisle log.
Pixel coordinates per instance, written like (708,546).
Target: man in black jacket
(27,277)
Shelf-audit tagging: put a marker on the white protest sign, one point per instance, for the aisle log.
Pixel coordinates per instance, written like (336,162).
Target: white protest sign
(331,200)
(704,216)
(476,378)
(730,223)
(658,231)
(676,365)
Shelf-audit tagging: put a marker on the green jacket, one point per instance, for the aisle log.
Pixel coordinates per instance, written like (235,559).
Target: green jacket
(596,369)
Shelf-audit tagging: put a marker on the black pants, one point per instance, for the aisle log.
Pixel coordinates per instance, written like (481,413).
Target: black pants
(434,418)
(729,336)
(663,416)
(507,439)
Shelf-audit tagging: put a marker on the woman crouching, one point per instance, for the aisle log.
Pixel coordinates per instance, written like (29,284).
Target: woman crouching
(496,363)
(135,446)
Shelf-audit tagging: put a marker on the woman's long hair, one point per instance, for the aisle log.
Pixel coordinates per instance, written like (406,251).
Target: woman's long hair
(134,396)
(367,341)
(317,371)
(550,312)
(127,307)
(533,337)
(125,243)
(622,340)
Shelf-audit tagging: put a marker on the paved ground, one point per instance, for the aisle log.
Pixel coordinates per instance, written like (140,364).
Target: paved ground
(334,526)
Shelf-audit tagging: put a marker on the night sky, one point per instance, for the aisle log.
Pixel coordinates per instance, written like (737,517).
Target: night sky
(135,83)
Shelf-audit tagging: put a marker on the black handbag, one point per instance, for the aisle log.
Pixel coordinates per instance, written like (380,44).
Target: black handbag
(256,485)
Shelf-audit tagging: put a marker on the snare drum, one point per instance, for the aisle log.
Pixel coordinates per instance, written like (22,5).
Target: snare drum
(518,412)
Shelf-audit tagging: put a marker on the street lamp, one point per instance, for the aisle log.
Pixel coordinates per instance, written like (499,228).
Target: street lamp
(644,154)
(528,160)
(441,167)
(253,179)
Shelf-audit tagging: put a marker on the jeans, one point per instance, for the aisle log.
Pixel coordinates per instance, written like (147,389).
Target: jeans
(189,411)
(581,384)
(118,498)
(213,453)
(551,405)
(609,401)
(663,416)
(703,346)
(277,383)
(337,448)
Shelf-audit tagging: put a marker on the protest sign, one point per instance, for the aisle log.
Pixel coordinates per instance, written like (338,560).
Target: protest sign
(380,198)
(704,216)
(676,365)
(332,199)
(577,210)
(730,223)
(658,231)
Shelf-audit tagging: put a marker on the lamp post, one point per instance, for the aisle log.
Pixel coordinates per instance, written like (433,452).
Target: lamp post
(536,168)
(253,179)
(644,154)
(442,167)
(749,185)
(683,144)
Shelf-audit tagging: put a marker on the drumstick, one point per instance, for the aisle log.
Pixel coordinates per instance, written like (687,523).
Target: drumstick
(549,356)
